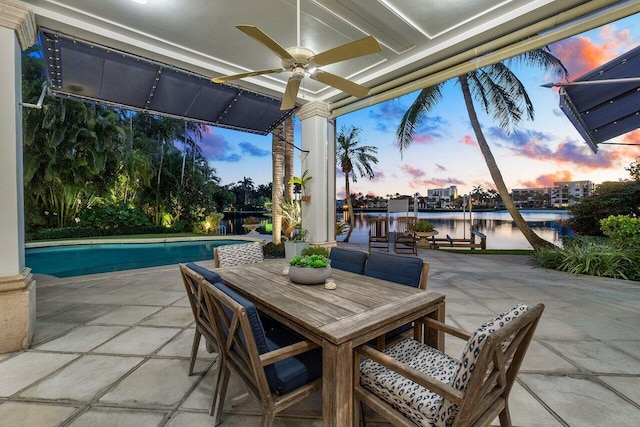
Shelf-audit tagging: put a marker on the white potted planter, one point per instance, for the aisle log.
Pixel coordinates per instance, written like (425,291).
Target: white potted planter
(294,248)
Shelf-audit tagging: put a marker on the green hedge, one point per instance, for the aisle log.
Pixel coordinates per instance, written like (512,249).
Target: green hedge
(77,232)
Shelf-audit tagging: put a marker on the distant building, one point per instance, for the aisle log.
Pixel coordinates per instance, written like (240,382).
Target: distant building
(532,197)
(568,193)
(441,198)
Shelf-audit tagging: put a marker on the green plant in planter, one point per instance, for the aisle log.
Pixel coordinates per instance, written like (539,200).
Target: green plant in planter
(423,226)
(310,261)
(303,181)
(315,250)
(251,220)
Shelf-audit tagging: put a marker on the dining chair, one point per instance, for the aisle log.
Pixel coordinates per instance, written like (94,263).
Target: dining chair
(405,239)
(278,366)
(411,383)
(348,260)
(405,270)
(192,274)
(378,233)
(238,254)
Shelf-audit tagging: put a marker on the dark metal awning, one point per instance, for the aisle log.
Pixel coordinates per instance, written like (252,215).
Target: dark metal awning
(605,102)
(89,72)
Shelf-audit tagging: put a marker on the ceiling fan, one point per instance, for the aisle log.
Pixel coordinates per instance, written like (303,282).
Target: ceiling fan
(300,61)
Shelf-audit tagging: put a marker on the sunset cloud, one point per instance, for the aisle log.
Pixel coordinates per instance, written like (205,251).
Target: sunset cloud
(440,167)
(581,54)
(217,148)
(414,172)
(252,150)
(547,180)
(468,140)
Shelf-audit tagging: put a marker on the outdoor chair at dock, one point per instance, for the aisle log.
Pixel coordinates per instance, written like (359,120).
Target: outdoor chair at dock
(242,253)
(412,384)
(405,240)
(409,271)
(378,233)
(192,276)
(264,360)
(348,260)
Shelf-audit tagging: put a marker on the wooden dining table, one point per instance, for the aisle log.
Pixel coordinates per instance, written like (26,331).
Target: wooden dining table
(360,309)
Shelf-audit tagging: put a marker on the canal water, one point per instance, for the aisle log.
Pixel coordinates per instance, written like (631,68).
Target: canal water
(498,226)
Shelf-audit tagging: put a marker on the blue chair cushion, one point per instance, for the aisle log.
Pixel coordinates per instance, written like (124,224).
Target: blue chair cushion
(285,375)
(394,268)
(347,260)
(209,275)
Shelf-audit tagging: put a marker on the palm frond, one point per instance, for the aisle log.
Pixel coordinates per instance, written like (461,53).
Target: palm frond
(425,101)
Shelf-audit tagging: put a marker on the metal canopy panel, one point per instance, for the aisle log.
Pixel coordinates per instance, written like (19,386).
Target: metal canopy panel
(93,73)
(603,111)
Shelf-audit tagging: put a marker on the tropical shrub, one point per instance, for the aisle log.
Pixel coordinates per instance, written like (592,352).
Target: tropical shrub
(210,224)
(610,198)
(79,232)
(272,250)
(623,230)
(315,250)
(593,257)
(112,216)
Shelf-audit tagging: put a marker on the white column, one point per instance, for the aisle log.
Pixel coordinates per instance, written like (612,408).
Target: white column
(318,138)
(17,289)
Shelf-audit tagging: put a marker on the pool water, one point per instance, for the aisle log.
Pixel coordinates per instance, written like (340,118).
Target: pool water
(77,260)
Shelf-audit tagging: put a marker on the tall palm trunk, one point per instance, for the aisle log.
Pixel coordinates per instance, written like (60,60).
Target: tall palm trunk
(157,219)
(352,218)
(288,157)
(534,240)
(277,189)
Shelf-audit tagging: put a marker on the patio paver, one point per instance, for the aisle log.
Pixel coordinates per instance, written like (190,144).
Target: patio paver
(114,348)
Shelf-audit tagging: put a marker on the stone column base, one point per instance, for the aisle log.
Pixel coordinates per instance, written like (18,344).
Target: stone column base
(17,311)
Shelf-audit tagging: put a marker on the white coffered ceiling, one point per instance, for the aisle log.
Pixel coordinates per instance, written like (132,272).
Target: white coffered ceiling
(200,35)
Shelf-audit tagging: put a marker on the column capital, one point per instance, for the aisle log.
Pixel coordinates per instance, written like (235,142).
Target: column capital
(19,17)
(314,108)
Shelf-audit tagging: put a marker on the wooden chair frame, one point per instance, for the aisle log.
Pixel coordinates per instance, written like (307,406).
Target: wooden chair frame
(378,233)
(487,393)
(204,327)
(405,238)
(249,365)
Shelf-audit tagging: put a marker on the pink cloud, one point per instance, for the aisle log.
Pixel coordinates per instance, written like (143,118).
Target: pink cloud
(581,54)
(423,138)
(414,172)
(468,140)
(440,167)
(547,180)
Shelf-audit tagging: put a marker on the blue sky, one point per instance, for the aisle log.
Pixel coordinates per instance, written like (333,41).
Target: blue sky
(445,153)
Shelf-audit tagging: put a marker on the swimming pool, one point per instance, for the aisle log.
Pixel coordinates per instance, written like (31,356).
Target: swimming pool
(77,260)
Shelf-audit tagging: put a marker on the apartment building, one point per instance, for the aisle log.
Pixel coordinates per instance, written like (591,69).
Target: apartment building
(568,193)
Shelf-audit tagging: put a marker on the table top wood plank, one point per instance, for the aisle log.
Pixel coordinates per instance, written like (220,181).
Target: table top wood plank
(359,305)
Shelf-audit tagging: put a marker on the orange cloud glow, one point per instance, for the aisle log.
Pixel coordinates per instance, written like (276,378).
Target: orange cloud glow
(581,55)
(548,179)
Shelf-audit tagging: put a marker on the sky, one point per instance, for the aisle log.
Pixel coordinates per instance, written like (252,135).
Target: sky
(445,152)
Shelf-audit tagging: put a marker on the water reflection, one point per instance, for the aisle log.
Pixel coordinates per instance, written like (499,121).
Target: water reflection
(498,226)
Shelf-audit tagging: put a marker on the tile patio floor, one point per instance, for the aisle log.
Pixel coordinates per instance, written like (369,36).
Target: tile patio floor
(113,349)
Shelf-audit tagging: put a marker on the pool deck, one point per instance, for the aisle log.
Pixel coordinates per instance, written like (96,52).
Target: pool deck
(113,349)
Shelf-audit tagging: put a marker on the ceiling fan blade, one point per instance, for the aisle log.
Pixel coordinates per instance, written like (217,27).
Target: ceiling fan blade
(243,75)
(338,82)
(291,93)
(260,36)
(362,47)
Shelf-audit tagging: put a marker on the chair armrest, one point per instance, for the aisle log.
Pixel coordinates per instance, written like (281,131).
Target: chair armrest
(414,375)
(446,328)
(287,352)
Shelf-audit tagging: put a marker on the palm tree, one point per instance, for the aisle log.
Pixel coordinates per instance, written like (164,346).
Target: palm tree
(502,95)
(354,157)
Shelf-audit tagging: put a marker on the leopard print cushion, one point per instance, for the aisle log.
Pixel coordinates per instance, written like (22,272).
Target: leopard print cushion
(471,353)
(416,402)
(244,253)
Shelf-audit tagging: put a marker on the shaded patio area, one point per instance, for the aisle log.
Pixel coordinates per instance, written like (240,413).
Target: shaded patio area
(114,348)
